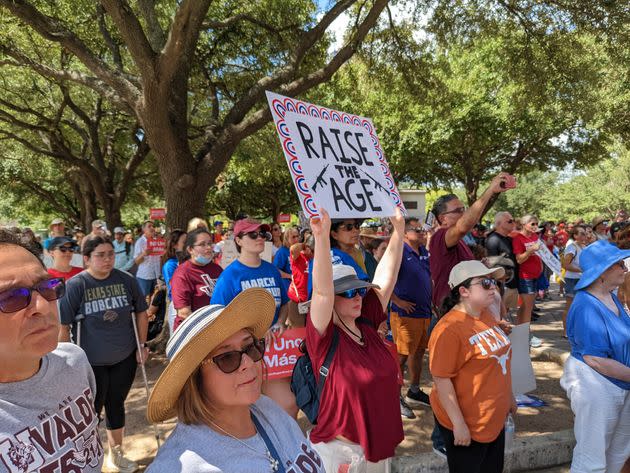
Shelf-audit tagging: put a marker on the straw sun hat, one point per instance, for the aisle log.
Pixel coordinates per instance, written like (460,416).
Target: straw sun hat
(198,335)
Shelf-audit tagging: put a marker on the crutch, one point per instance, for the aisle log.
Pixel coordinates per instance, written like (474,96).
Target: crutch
(144,373)
(78,319)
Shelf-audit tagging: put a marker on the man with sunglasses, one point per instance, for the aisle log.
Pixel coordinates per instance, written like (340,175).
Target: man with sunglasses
(499,243)
(411,311)
(47,389)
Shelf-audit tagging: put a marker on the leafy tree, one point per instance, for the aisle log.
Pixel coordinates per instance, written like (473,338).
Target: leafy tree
(194,72)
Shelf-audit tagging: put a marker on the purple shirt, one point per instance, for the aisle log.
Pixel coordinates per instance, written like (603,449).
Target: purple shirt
(414,283)
(442,260)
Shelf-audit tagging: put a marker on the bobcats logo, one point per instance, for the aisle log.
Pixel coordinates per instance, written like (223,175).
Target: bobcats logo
(21,455)
(110,316)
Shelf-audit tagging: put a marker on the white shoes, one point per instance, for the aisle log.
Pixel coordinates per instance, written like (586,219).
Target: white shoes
(535,342)
(115,462)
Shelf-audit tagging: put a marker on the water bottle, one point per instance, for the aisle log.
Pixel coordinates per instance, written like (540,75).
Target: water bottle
(509,433)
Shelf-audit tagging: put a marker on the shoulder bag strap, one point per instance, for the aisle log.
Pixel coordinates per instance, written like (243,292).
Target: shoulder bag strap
(324,370)
(269,444)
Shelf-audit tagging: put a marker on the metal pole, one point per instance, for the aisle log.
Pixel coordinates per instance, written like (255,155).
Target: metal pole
(78,319)
(144,373)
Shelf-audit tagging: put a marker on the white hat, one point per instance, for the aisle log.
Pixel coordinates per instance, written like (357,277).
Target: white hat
(345,278)
(472,269)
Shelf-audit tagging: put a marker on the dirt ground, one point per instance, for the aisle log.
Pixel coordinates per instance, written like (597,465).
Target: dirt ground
(140,443)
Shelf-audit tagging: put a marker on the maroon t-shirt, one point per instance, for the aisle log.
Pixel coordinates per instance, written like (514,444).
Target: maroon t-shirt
(192,285)
(360,400)
(442,260)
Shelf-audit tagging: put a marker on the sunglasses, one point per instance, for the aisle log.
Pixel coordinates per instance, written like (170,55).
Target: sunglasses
(19,298)
(350,293)
(255,235)
(458,210)
(416,229)
(350,226)
(65,249)
(230,361)
(486,283)
(510,220)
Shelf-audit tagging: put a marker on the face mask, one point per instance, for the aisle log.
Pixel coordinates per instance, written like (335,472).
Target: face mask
(202,260)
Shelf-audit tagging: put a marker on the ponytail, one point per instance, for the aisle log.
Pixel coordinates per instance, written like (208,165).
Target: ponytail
(453,298)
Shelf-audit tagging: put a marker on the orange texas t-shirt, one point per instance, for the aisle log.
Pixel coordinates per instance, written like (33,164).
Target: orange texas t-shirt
(475,354)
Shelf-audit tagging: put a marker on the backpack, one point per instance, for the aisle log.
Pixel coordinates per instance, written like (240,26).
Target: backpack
(307,391)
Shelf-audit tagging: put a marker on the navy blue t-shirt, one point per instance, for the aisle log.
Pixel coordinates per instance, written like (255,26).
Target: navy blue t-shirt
(414,283)
(237,277)
(593,329)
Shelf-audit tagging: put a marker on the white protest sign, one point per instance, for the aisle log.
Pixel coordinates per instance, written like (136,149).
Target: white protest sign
(335,159)
(549,259)
(523,379)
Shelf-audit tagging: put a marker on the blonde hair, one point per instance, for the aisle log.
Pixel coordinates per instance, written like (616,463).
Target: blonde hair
(528,218)
(287,233)
(195,223)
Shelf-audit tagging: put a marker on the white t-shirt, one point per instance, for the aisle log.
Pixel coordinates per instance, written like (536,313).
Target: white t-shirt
(573,249)
(149,268)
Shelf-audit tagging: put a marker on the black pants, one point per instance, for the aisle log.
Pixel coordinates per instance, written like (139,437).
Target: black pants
(477,457)
(113,383)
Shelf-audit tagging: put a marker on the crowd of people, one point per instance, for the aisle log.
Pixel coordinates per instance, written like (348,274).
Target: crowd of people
(452,290)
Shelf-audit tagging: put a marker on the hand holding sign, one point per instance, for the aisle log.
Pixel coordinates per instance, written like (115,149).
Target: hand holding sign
(320,226)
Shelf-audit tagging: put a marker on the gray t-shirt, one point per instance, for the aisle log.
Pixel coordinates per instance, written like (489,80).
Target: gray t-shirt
(199,449)
(47,422)
(107,304)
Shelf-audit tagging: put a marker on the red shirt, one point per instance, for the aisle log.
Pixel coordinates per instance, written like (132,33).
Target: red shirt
(442,260)
(192,285)
(60,274)
(561,238)
(298,290)
(532,266)
(360,400)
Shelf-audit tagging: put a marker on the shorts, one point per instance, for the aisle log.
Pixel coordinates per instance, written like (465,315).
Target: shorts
(410,334)
(569,287)
(510,298)
(527,286)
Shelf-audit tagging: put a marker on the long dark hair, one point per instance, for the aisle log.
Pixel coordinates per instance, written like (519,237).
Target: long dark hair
(171,243)
(454,297)
(191,239)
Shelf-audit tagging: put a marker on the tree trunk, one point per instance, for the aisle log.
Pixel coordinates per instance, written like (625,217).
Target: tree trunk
(111,209)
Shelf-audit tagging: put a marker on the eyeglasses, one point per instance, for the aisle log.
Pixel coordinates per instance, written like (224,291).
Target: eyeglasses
(18,298)
(230,361)
(65,249)
(350,293)
(458,210)
(204,244)
(108,255)
(349,226)
(255,235)
(486,283)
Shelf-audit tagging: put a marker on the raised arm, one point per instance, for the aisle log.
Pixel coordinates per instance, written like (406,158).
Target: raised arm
(323,297)
(386,272)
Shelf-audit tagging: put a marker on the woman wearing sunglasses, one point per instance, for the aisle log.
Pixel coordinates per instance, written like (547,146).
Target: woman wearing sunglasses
(597,374)
(194,280)
(359,411)
(250,270)
(213,385)
(99,304)
(62,250)
(470,365)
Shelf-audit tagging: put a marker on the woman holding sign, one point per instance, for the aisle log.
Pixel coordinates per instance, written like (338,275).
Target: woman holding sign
(359,412)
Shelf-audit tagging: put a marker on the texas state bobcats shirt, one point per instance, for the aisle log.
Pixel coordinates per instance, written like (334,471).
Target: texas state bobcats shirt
(475,354)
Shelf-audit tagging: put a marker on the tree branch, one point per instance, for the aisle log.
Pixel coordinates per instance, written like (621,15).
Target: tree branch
(154,30)
(109,40)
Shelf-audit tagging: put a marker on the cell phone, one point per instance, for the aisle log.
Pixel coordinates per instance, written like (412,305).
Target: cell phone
(429,221)
(509,182)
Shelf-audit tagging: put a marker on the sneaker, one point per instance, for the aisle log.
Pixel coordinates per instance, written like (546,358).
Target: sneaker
(405,410)
(535,342)
(115,462)
(440,452)
(417,398)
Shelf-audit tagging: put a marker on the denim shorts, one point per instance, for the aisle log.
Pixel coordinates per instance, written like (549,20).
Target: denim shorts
(527,286)
(569,286)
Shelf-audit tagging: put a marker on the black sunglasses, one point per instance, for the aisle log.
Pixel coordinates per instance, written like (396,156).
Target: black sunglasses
(18,298)
(416,229)
(486,283)
(254,235)
(350,226)
(350,293)
(230,361)
(510,220)
(65,249)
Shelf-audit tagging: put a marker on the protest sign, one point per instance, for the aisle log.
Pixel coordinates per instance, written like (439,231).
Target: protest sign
(283,218)
(156,246)
(550,260)
(282,354)
(335,159)
(523,379)
(228,253)
(157,214)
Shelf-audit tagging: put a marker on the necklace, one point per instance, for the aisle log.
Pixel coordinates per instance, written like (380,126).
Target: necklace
(273,463)
(358,337)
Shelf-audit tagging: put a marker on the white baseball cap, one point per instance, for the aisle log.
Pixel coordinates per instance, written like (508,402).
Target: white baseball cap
(472,269)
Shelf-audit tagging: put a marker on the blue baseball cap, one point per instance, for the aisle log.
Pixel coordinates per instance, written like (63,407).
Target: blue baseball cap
(597,258)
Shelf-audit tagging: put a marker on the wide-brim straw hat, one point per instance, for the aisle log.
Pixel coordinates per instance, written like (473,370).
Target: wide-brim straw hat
(198,335)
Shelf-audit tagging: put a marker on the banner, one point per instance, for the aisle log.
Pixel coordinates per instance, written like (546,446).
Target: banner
(550,260)
(283,353)
(335,160)
(157,214)
(523,379)
(283,218)
(156,246)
